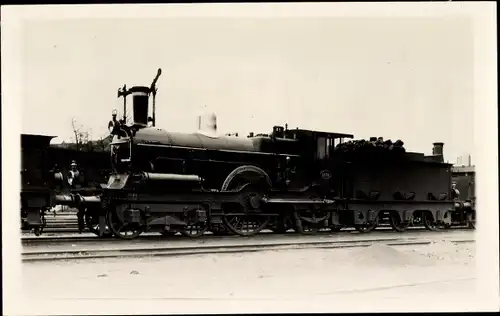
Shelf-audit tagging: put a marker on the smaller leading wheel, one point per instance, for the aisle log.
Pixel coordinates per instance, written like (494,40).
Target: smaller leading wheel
(120,228)
(194,228)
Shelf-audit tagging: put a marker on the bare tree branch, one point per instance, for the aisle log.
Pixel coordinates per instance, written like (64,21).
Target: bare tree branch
(82,138)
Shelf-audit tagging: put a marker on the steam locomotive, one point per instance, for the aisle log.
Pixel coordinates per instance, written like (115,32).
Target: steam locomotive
(169,182)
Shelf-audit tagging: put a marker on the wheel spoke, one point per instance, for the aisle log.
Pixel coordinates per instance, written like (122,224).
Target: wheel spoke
(114,222)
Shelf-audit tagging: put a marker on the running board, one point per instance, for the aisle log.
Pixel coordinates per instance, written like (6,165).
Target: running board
(296,201)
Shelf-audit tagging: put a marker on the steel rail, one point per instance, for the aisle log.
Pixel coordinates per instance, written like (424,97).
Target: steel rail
(69,254)
(208,235)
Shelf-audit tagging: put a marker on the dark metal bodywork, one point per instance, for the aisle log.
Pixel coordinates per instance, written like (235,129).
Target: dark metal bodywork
(212,158)
(300,164)
(403,183)
(35,180)
(165,181)
(40,190)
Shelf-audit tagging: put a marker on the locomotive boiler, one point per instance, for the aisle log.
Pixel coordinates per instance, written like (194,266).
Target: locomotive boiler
(306,180)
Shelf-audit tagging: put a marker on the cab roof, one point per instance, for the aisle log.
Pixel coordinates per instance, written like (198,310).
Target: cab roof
(321,133)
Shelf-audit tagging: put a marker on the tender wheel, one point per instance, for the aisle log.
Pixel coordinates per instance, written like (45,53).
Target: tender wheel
(397,224)
(121,229)
(367,227)
(429,222)
(471,220)
(92,223)
(245,219)
(194,228)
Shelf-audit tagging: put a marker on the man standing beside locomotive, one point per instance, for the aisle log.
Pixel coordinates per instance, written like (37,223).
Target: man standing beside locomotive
(454,191)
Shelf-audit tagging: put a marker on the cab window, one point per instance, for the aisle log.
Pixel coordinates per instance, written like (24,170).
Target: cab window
(322,147)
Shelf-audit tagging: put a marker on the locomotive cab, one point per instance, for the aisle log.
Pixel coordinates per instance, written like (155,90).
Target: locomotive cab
(317,152)
(327,173)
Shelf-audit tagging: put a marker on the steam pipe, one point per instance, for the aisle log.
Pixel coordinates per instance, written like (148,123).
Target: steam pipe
(75,199)
(123,92)
(171,177)
(65,199)
(153,91)
(461,205)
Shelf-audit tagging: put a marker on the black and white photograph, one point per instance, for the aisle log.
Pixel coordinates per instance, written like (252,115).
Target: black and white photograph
(250,158)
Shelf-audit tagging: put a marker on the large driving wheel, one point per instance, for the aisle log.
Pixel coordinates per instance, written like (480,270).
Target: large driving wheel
(245,218)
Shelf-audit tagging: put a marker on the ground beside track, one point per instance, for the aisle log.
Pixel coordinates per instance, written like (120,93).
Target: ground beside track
(436,277)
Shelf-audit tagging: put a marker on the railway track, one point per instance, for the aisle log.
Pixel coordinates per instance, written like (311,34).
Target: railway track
(138,250)
(155,236)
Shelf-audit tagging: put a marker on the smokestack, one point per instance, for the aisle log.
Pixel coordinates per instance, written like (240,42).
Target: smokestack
(140,104)
(470,160)
(437,150)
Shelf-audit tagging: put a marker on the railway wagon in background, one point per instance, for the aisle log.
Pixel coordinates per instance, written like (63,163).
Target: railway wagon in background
(35,181)
(40,160)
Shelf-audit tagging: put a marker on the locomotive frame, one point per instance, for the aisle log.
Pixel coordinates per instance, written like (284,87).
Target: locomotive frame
(190,183)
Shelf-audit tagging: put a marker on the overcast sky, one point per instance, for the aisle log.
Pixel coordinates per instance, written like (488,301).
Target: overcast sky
(409,79)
